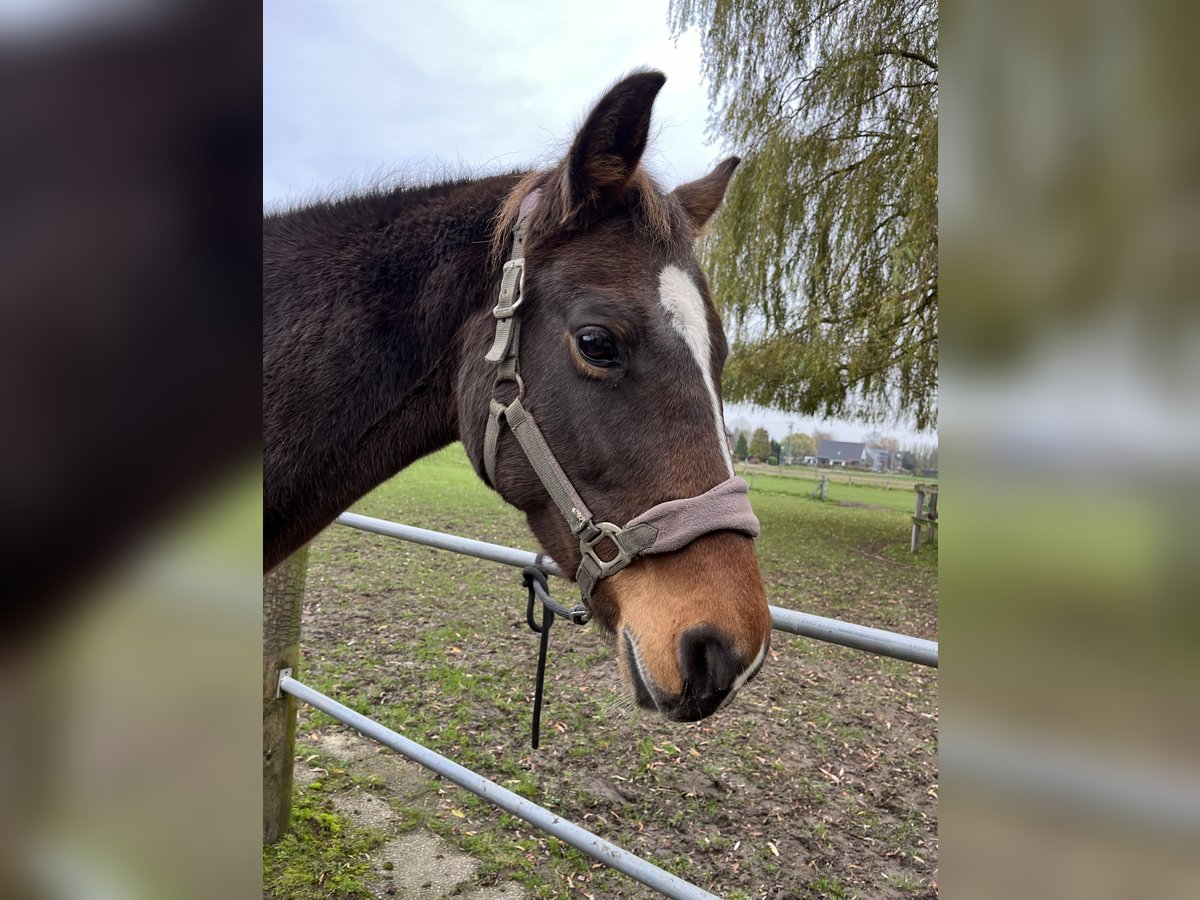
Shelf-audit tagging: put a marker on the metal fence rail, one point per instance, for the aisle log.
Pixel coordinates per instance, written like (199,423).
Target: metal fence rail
(568,832)
(873,640)
(860,637)
(833,631)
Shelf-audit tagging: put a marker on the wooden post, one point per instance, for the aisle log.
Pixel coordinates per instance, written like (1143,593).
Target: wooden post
(283,592)
(916,530)
(932,515)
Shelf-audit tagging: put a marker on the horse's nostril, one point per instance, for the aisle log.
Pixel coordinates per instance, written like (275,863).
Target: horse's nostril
(708,662)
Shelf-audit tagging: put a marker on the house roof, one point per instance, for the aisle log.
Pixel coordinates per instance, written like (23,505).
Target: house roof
(840,450)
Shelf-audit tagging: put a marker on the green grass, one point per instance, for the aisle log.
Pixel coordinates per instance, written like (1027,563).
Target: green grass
(905,883)
(827,887)
(321,856)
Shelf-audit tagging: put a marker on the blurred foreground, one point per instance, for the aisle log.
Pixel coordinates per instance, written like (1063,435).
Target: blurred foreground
(1070,211)
(129,373)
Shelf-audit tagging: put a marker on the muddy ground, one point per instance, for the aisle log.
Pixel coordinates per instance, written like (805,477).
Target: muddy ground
(820,780)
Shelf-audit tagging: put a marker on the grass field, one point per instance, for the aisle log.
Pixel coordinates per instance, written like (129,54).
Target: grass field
(820,780)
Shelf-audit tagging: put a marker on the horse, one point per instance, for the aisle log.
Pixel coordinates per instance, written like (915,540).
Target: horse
(392,324)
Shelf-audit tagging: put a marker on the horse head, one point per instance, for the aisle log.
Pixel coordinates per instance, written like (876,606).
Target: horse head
(620,358)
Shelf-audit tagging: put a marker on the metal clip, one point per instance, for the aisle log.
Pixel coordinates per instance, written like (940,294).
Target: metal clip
(535,580)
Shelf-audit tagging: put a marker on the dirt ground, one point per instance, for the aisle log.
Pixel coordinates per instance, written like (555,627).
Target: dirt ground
(820,780)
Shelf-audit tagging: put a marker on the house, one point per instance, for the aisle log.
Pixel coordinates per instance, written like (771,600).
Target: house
(843,453)
(881,459)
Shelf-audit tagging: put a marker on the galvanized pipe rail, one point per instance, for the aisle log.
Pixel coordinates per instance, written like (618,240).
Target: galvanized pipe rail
(580,838)
(859,637)
(833,631)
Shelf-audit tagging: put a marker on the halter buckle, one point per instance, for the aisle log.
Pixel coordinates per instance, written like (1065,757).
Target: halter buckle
(587,546)
(511,289)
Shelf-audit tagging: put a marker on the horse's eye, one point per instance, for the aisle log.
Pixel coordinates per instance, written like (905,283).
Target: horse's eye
(597,346)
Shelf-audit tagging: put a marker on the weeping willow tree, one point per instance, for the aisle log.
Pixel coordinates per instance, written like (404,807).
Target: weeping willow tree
(824,259)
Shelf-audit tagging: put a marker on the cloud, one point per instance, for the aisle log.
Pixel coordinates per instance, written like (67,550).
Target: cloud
(358,91)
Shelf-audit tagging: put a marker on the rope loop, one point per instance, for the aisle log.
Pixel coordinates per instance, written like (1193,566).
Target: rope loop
(534,578)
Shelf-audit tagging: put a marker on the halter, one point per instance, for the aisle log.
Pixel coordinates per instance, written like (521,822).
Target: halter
(661,529)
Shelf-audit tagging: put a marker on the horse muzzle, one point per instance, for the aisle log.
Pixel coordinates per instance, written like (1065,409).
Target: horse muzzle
(710,668)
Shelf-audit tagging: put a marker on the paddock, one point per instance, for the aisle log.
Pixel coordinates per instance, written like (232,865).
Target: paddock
(869,640)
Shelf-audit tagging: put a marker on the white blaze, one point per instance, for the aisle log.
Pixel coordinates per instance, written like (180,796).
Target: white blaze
(689,317)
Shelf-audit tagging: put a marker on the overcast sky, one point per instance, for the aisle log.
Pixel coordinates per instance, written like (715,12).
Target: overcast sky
(355,91)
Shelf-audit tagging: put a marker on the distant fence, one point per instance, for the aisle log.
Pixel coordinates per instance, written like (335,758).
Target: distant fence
(282,597)
(848,475)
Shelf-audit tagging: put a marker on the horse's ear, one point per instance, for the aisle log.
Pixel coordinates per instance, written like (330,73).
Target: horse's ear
(700,198)
(607,148)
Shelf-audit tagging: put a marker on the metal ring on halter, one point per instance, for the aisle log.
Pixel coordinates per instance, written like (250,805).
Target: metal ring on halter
(514,376)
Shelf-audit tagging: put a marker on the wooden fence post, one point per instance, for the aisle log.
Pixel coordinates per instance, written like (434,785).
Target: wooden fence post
(917,515)
(822,489)
(932,516)
(283,592)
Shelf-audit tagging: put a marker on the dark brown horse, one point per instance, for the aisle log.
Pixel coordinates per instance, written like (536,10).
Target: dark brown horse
(378,313)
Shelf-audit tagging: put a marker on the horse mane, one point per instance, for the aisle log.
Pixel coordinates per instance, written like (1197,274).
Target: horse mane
(659,216)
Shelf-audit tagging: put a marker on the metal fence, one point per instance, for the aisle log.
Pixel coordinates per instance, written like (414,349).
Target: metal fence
(872,640)
(833,631)
(568,832)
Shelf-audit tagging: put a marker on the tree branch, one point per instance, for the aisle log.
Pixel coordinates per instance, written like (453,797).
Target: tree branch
(907,54)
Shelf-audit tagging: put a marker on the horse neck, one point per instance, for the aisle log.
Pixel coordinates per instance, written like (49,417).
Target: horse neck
(362,304)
